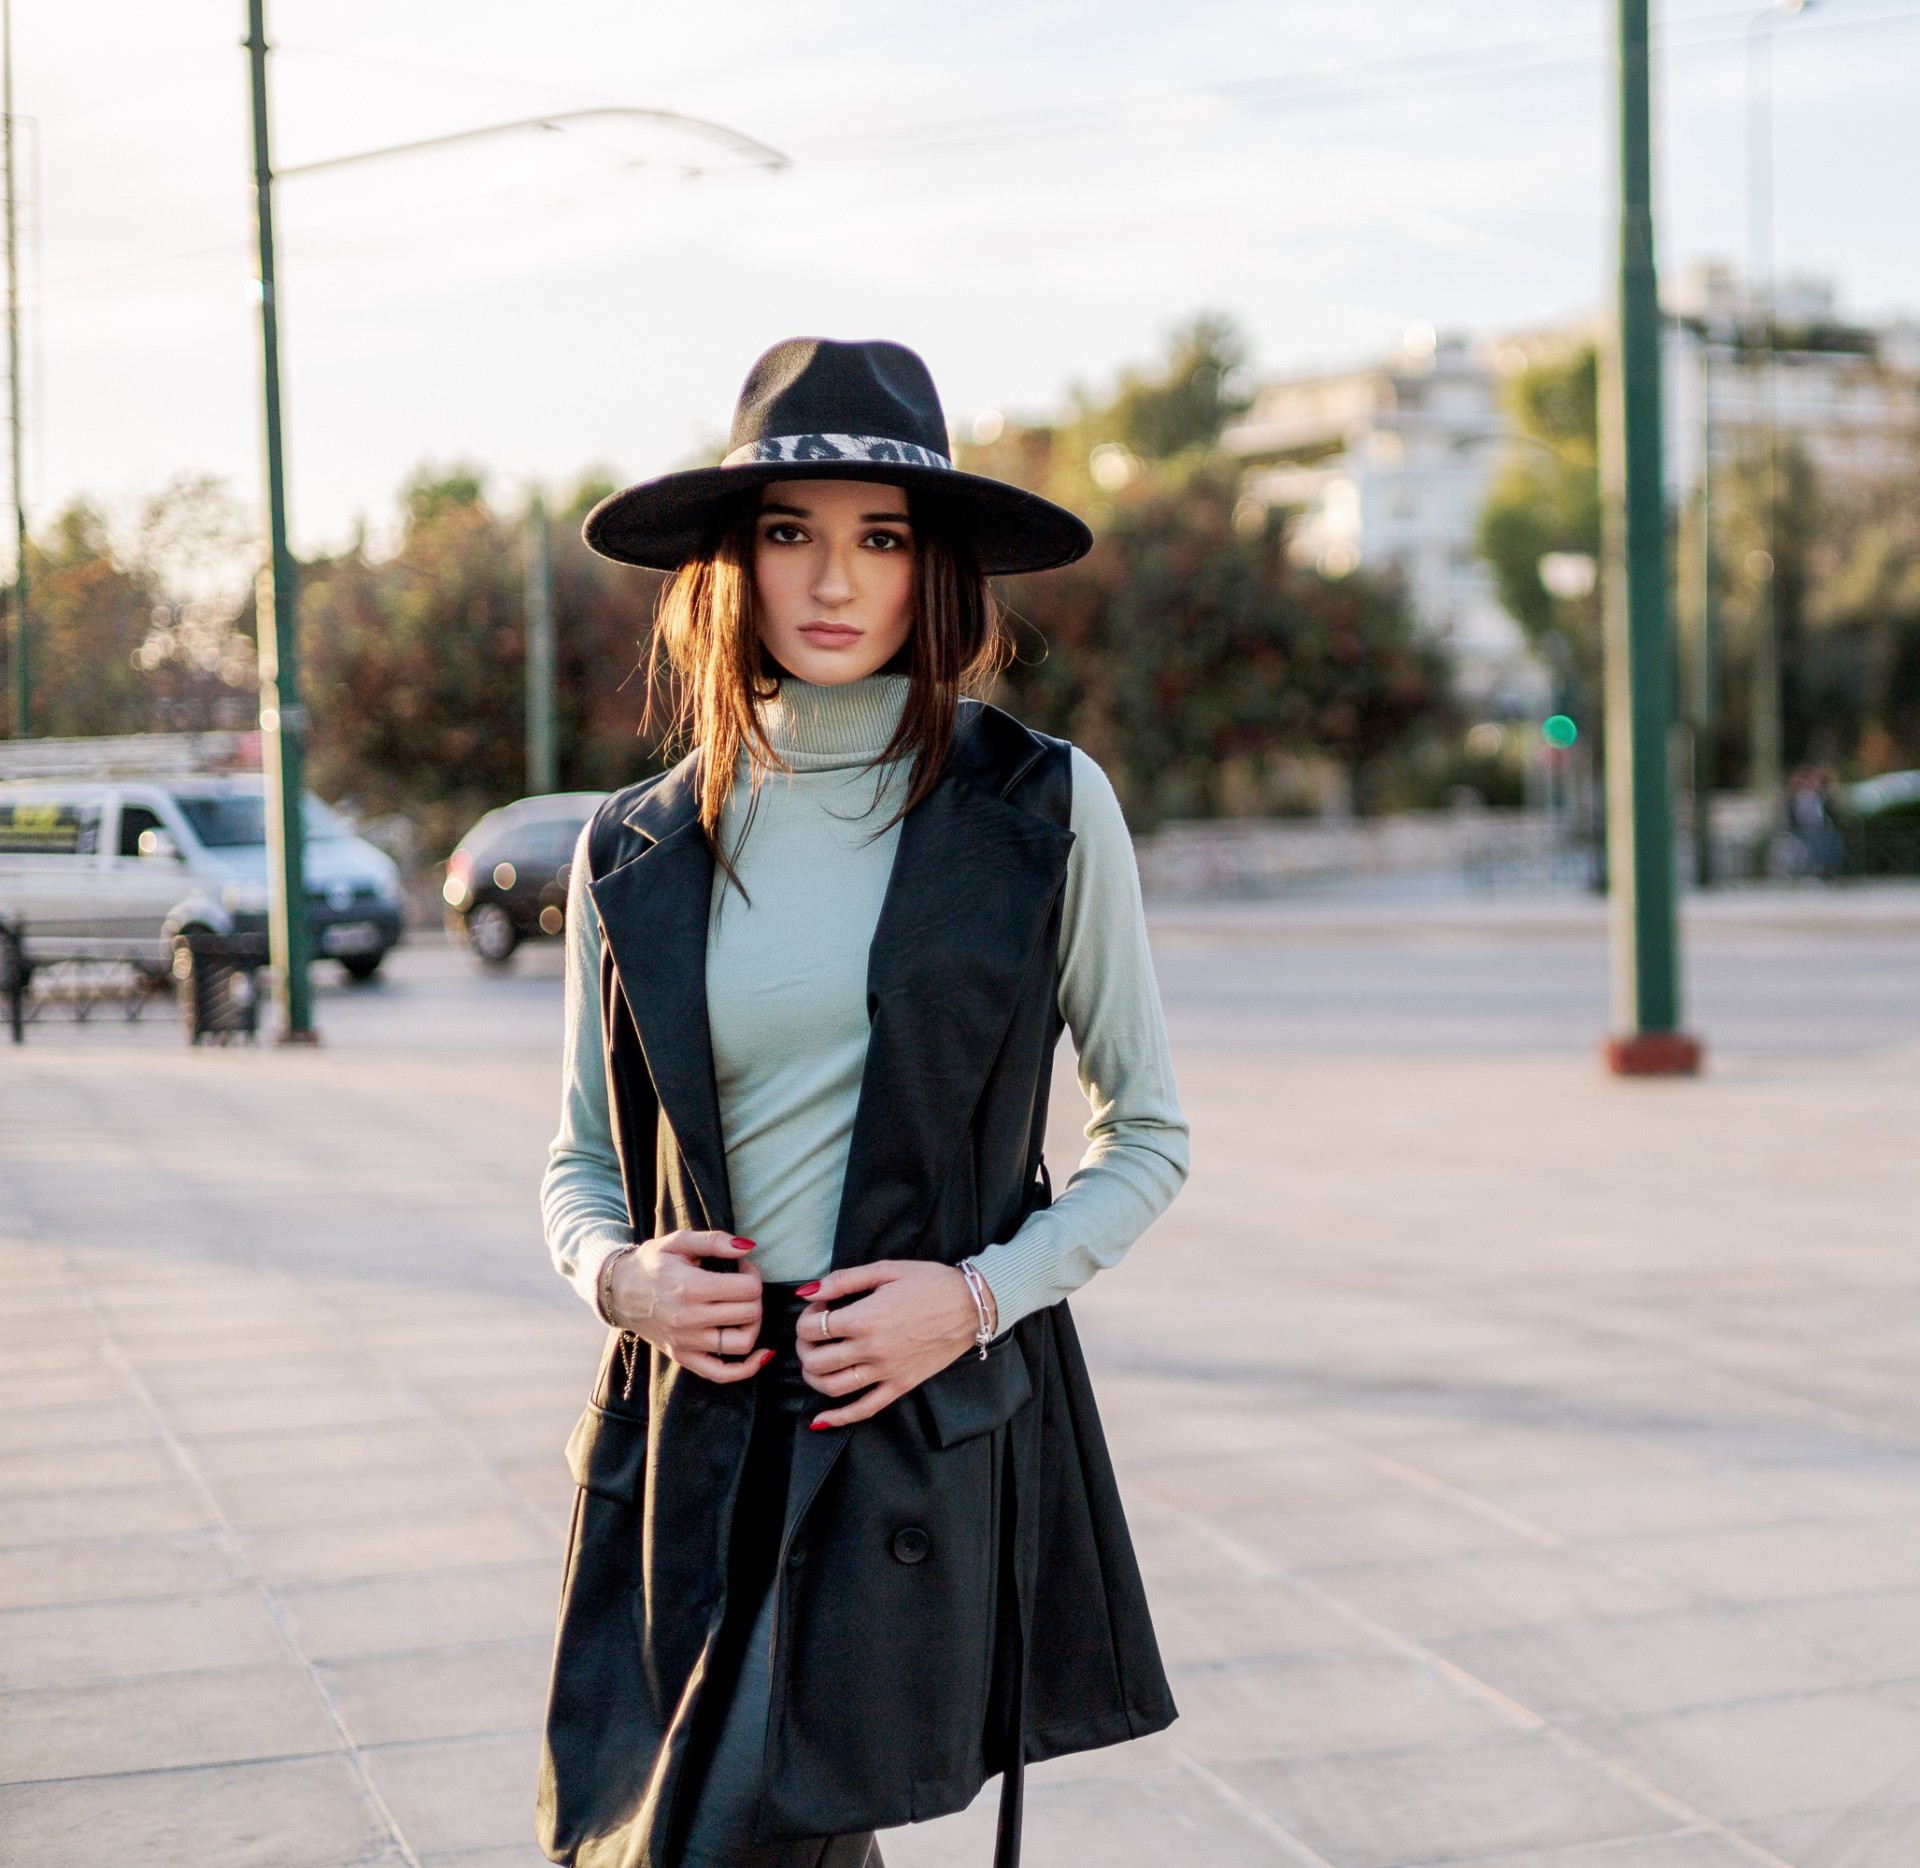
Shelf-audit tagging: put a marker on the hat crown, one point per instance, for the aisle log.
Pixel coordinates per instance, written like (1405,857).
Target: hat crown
(820,386)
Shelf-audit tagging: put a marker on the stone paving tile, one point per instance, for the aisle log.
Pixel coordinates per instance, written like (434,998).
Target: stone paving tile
(514,1855)
(1285,1481)
(101,1423)
(455,1693)
(393,1545)
(387,1615)
(57,1517)
(1386,1809)
(256,1374)
(105,1569)
(122,1640)
(1334,1702)
(80,1468)
(1158,1819)
(309,1813)
(369,1405)
(1647,1663)
(164,1722)
(1877,1634)
(1698,1849)
(1608,1505)
(1497,1589)
(85,1382)
(341,1453)
(452,1482)
(1784,1560)
(1877,1837)
(1772,1757)
(1234,1618)
(1406,1528)
(461,1793)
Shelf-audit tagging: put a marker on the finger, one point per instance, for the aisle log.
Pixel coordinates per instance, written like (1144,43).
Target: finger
(715,1369)
(826,1358)
(705,1245)
(716,1287)
(846,1381)
(722,1316)
(850,1282)
(869,1404)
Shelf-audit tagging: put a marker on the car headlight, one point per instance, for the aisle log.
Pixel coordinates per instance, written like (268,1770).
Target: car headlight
(455,890)
(244,898)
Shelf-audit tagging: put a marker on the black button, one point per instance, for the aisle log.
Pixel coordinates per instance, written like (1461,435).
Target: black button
(796,1556)
(910,1545)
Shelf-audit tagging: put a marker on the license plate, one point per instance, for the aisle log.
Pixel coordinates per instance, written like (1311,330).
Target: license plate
(350,937)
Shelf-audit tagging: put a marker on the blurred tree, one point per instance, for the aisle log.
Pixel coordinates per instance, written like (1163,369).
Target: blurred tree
(142,627)
(1184,402)
(1863,620)
(1545,497)
(1189,653)
(415,663)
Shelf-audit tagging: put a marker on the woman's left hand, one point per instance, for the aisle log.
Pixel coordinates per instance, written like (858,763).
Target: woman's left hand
(916,1318)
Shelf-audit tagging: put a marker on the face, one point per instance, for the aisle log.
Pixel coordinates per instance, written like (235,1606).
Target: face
(833,572)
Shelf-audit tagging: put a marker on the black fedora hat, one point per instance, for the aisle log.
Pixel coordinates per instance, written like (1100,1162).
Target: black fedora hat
(814,409)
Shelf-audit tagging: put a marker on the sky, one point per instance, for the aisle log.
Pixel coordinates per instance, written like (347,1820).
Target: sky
(1030,192)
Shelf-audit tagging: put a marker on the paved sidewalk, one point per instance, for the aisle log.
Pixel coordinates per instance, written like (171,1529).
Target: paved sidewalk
(1526,1467)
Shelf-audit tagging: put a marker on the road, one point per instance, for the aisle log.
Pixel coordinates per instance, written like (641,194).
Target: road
(1525,1466)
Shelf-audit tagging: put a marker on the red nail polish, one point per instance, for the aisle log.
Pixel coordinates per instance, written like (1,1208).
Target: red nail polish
(818,1426)
(746,1245)
(807,1290)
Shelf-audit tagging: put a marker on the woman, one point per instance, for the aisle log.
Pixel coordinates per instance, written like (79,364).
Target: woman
(846,1541)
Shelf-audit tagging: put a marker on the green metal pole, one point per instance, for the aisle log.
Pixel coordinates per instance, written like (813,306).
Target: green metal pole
(22,637)
(283,721)
(1646,976)
(541,767)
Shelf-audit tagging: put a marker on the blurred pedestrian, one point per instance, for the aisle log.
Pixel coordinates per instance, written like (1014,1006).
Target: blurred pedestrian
(1816,846)
(846,1542)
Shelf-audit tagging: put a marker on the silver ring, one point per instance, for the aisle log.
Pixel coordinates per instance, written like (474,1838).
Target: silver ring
(826,1329)
(720,1338)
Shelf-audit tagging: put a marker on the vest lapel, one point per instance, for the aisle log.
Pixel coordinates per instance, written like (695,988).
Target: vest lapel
(653,910)
(972,892)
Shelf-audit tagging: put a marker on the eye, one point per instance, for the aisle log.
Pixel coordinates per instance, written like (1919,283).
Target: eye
(784,532)
(885,541)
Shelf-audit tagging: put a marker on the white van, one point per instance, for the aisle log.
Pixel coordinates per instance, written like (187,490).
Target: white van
(111,870)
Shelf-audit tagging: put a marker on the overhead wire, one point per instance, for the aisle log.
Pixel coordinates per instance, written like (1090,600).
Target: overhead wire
(1490,62)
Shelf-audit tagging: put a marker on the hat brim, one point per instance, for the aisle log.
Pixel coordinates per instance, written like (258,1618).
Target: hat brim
(661,523)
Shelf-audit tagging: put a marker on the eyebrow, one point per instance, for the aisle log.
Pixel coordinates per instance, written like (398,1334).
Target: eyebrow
(802,512)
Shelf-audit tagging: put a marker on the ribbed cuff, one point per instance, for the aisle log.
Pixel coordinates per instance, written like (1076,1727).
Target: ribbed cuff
(1022,1272)
(594,1251)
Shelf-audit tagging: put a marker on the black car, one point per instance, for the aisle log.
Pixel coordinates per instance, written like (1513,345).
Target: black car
(507,879)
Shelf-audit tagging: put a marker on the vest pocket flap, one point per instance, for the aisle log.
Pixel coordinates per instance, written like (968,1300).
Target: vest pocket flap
(607,1453)
(970,1396)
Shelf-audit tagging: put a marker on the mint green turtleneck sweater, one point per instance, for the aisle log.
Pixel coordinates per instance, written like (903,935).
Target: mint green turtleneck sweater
(787,1011)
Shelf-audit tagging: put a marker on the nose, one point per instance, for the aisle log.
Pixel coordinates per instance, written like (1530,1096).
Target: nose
(833,582)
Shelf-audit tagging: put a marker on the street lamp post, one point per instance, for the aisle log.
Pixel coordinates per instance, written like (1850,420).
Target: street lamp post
(1646,1039)
(22,642)
(283,721)
(542,775)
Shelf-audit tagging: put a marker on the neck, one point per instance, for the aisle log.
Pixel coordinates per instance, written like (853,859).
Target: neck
(819,729)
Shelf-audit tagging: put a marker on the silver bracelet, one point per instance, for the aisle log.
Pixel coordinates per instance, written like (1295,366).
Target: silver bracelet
(983,1304)
(603,1285)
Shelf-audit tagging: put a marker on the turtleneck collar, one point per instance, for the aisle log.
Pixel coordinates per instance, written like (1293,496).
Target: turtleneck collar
(822,729)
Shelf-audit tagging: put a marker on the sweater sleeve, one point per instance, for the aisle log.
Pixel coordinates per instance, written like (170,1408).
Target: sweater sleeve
(1136,1156)
(582,1199)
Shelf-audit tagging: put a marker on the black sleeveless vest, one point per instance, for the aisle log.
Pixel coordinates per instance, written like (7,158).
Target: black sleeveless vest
(1021,1632)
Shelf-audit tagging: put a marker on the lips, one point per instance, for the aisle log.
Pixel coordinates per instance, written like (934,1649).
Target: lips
(829,635)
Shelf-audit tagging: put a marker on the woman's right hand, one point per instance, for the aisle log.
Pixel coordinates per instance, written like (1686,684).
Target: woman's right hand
(707,1321)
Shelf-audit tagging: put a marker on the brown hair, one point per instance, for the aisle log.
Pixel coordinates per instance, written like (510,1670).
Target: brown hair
(707,667)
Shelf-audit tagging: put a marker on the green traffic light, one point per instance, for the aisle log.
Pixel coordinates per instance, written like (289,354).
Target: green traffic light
(1558,730)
